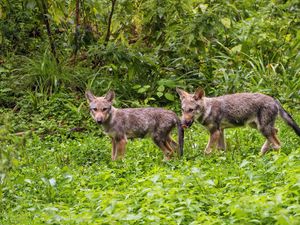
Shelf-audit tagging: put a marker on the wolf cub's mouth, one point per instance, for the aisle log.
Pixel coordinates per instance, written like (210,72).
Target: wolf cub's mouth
(186,124)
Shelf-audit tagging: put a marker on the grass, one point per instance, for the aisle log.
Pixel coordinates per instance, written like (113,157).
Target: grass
(68,178)
(52,174)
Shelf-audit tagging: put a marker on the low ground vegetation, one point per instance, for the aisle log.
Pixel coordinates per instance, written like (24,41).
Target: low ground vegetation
(57,169)
(55,163)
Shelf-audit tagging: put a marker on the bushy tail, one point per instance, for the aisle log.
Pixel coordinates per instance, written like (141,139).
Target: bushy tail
(180,138)
(288,118)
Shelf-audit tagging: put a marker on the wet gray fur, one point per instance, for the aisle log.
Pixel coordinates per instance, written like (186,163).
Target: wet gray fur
(218,113)
(123,124)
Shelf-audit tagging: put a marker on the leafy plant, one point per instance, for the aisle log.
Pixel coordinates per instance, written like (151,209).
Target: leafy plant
(71,179)
(55,163)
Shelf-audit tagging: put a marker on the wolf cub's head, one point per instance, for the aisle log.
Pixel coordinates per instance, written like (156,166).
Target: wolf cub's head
(192,106)
(100,107)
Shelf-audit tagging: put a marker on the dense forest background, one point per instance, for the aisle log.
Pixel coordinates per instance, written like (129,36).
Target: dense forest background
(55,163)
(143,49)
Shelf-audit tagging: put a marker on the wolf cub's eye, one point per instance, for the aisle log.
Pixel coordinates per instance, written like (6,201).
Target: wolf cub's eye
(187,110)
(94,109)
(105,109)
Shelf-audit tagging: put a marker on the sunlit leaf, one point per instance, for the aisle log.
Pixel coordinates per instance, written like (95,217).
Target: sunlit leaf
(226,22)
(169,96)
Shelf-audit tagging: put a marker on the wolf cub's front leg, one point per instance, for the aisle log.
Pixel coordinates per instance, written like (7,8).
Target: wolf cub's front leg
(114,149)
(214,140)
(118,148)
(221,141)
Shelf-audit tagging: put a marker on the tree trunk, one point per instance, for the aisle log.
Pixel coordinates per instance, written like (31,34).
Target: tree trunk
(76,37)
(46,22)
(113,3)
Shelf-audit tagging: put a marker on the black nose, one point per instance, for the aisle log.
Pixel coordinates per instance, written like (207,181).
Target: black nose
(188,123)
(99,121)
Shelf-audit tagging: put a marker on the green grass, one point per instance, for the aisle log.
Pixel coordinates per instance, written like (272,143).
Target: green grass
(69,178)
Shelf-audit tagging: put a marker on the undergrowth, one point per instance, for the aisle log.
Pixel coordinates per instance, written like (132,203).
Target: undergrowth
(55,164)
(54,174)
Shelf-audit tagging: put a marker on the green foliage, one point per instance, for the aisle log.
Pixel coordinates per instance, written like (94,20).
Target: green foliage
(19,28)
(220,45)
(59,176)
(44,76)
(55,164)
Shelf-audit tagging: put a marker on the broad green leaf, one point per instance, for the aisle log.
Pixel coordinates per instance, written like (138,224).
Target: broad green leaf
(133,217)
(31,4)
(203,7)
(169,96)
(3,70)
(236,49)
(161,88)
(137,86)
(159,94)
(5,90)
(226,22)
(244,163)
(283,220)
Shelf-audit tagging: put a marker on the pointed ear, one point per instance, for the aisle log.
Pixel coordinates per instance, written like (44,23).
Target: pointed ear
(182,93)
(89,96)
(110,96)
(199,93)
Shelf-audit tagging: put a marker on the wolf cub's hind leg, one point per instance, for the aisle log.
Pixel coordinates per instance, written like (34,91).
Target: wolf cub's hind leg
(266,124)
(265,147)
(272,140)
(172,143)
(161,137)
(163,144)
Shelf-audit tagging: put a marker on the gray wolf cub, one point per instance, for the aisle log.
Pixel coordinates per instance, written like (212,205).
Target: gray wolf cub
(233,110)
(121,124)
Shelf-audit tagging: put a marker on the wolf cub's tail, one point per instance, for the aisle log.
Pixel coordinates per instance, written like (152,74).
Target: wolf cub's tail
(288,118)
(180,138)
